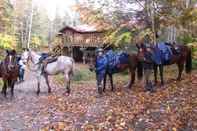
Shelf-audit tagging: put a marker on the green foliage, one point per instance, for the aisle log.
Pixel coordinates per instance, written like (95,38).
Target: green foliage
(194,64)
(120,37)
(7,41)
(35,42)
(83,75)
(5,16)
(186,39)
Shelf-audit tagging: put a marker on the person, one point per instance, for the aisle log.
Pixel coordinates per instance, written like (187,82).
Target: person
(148,67)
(22,66)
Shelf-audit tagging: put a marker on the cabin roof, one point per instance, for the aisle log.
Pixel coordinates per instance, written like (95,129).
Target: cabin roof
(81,29)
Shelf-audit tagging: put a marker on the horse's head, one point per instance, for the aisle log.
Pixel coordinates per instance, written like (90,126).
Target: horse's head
(10,59)
(142,48)
(141,51)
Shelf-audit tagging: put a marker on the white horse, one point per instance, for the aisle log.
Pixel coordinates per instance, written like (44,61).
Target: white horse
(64,65)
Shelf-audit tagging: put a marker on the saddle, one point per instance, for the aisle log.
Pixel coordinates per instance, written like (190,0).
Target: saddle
(46,59)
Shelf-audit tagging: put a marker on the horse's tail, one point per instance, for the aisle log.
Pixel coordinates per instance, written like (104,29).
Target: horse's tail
(188,65)
(140,70)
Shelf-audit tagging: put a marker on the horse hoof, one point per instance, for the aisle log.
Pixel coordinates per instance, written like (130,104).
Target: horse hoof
(178,79)
(68,91)
(49,91)
(127,86)
(38,92)
(100,91)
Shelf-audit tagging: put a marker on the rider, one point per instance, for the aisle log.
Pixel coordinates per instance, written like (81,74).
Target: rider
(21,69)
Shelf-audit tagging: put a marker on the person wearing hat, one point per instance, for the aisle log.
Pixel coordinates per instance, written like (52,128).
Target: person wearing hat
(148,66)
(99,51)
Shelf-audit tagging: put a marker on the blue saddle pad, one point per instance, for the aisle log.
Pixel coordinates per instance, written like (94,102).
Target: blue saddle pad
(110,61)
(162,53)
(166,52)
(43,56)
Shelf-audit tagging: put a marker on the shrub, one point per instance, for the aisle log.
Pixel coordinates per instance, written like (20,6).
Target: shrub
(7,41)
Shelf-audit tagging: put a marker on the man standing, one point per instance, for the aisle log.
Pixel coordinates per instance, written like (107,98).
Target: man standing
(21,69)
(148,67)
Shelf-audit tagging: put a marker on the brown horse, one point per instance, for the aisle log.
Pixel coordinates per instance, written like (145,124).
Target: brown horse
(132,64)
(9,71)
(181,56)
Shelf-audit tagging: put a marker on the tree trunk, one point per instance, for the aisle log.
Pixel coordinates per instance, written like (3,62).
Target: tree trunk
(30,25)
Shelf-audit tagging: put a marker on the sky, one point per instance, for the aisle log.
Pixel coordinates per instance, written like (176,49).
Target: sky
(63,6)
(60,5)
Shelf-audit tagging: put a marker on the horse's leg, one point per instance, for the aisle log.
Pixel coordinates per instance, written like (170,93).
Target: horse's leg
(155,73)
(4,88)
(47,81)
(161,74)
(133,78)
(38,84)
(180,68)
(111,82)
(67,81)
(12,88)
(104,81)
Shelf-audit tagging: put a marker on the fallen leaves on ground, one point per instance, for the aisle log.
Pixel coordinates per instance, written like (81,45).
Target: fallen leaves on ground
(173,108)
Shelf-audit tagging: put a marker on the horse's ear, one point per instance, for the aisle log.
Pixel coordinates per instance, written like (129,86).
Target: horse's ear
(14,52)
(7,51)
(138,46)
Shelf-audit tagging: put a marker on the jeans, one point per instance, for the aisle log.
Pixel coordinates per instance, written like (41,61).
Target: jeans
(148,82)
(21,74)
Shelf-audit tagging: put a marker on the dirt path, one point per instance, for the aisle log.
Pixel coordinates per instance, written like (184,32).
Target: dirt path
(84,109)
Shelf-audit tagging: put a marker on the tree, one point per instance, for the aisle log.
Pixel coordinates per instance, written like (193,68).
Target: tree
(5,16)
(151,16)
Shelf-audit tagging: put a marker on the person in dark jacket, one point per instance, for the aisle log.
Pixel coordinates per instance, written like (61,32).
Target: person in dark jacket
(148,67)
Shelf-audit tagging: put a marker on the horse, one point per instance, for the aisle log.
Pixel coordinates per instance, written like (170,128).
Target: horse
(63,64)
(181,56)
(131,63)
(9,71)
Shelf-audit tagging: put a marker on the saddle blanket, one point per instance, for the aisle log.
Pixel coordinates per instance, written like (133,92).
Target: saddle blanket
(162,53)
(111,61)
(43,56)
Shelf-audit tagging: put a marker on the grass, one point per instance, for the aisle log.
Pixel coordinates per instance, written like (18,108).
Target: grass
(194,64)
(1,84)
(81,75)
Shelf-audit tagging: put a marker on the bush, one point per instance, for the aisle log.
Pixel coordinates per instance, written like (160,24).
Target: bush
(186,39)
(83,75)
(79,76)
(7,41)
(194,63)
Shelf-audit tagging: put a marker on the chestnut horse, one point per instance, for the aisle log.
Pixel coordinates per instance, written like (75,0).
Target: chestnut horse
(132,64)
(181,58)
(9,70)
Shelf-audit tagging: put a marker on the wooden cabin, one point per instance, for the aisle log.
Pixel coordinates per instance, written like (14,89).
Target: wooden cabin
(80,43)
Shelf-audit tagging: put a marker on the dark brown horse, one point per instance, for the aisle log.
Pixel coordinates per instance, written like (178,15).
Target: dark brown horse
(9,71)
(132,64)
(182,56)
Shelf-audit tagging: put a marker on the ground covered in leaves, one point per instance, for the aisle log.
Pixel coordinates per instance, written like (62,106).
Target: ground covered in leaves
(172,108)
